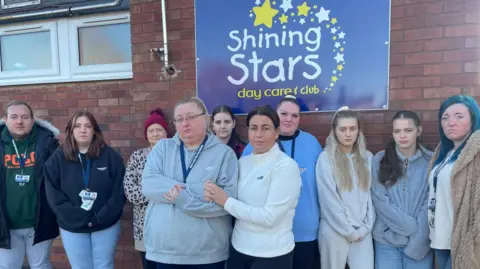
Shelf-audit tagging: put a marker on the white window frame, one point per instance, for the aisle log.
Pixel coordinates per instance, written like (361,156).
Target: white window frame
(22,4)
(33,28)
(65,53)
(78,71)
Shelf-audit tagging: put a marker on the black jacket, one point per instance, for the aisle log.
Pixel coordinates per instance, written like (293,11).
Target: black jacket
(46,227)
(64,182)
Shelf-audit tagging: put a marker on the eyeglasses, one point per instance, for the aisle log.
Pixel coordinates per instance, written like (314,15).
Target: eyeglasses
(188,118)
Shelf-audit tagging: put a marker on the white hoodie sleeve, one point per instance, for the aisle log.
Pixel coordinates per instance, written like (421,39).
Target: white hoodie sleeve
(331,204)
(282,196)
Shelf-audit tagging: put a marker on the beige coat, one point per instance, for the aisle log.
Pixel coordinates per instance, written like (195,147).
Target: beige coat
(466,205)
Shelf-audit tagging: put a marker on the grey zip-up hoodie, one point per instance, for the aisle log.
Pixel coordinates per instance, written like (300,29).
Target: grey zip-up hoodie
(190,230)
(402,213)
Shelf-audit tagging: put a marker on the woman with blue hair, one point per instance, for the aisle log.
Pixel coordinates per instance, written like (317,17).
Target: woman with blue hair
(454,195)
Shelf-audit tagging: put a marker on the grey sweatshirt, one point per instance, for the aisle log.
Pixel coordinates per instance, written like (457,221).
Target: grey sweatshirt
(190,230)
(402,214)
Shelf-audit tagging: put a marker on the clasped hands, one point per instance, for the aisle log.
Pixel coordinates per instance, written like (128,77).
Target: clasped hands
(211,192)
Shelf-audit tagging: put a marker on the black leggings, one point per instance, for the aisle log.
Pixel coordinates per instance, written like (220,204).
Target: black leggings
(146,263)
(238,260)
(306,255)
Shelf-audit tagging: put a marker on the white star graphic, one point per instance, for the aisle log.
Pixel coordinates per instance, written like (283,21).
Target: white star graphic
(334,71)
(258,2)
(333,31)
(337,45)
(251,14)
(341,35)
(322,15)
(286,5)
(339,58)
(331,85)
(302,21)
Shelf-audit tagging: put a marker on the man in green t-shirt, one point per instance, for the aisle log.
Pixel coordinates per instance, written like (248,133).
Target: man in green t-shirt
(27,224)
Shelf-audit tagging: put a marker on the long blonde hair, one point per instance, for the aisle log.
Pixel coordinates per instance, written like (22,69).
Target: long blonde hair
(339,160)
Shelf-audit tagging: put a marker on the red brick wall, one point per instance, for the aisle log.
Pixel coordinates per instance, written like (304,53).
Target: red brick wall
(435,52)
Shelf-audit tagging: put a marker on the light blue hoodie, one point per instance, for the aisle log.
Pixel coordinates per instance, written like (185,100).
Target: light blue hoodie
(402,214)
(190,230)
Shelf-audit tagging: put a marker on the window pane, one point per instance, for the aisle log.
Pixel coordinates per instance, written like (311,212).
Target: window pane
(106,44)
(28,51)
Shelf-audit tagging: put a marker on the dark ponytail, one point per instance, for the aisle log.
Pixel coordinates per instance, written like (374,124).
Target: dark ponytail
(391,167)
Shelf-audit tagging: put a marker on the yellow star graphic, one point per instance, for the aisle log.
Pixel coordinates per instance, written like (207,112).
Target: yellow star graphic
(339,67)
(334,37)
(342,49)
(264,14)
(334,78)
(328,26)
(303,9)
(274,3)
(312,19)
(315,6)
(334,20)
(283,19)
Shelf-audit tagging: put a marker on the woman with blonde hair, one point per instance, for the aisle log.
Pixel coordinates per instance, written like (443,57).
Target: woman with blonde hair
(182,229)
(344,178)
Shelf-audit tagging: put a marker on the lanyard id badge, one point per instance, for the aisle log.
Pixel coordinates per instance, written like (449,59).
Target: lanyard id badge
(186,171)
(88,197)
(21,179)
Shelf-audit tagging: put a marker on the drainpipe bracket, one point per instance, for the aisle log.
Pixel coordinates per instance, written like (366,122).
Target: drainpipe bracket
(160,52)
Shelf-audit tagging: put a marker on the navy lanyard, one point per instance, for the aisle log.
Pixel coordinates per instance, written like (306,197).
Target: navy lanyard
(194,160)
(85,171)
(21,159)
(292,151)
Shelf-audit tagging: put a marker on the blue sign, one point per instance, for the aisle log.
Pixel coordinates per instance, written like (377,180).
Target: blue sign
(328,53)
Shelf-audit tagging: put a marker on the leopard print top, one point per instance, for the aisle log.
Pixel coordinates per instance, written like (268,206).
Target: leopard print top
(133,189)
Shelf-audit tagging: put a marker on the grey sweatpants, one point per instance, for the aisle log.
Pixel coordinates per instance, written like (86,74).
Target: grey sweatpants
(22,243)
(336,251)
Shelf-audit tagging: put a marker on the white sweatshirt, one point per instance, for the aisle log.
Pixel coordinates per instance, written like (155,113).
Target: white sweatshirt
(441,233)
(349,213)
(268,189)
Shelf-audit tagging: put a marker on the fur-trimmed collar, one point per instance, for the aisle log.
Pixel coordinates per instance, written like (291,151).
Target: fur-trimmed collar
(42,123)
(467,154)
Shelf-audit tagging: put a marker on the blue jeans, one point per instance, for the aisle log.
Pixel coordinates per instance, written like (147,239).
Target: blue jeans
(388,257)
(443,258)
(91,250)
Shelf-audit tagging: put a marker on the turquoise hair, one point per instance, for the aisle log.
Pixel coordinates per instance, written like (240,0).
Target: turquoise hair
(446,144)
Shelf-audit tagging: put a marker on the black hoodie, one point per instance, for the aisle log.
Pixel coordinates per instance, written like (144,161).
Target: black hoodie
(46,227)
(64,182)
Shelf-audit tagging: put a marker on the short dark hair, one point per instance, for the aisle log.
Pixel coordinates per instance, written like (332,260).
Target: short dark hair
(265,110)
(18,103)
(70,147)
